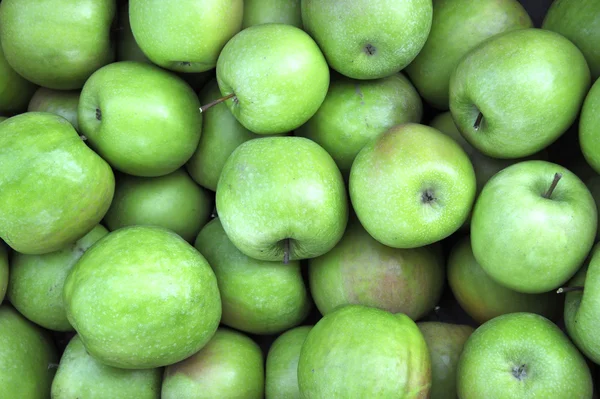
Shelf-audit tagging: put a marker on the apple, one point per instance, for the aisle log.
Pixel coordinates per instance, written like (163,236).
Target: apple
(143,120)
(127,47)
(141,298)
(60,102)
(277,87)
(257,296)
(53,188)
(15,91)
(589,132)
(368,39)
(281,374)
(427,174)
(57,44)
(517,92)
(231,365)
(79,375)
(185,35)
(271,211)
(533,225)
(522,355)
(362,352)
(3,271)
(356,111)
(258,12)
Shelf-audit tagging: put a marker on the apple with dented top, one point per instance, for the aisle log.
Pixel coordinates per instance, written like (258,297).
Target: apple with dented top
(15,91)
(258,12)
(60,102)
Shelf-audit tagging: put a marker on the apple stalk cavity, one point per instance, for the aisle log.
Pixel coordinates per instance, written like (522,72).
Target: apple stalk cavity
(557,177)
(286,251)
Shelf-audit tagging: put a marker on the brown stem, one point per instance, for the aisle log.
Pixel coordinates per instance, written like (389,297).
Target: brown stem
(563,290)
(557,177)
(217,101)
(286,251)
(478,121)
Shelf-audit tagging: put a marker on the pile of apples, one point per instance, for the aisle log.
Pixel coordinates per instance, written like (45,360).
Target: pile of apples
(286,199)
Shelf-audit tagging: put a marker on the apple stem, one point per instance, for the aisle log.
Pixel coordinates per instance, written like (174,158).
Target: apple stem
(52,366)
(557,177)
(217,101)
(286,251)
(563,290)
(478,121)
(83,137)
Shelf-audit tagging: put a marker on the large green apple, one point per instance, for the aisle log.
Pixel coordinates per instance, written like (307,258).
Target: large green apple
(522,355)
(533,225)
(53,188)
(142,297)
(258,12)
(257,296)
(56,43)
(15,91)
(230,366)
(127,47)
(368,39)
(143,120)
(354,112)
(185,35)
(459,26)
(277,86)
(60,102)
(412,186)
(26,354)
(362,352)
(79,375)
(282,197)
(517,92)
(589,127)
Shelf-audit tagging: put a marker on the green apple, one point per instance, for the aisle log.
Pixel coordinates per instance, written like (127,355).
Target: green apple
(230,366)
(533,225)
(589,131)
(271,211)
(127,47)
(354,112)
(27,354)
(57,44)
(142,297)
(60,102)
(281,374)
(445,343)
(4,268)
(458,27)
(143,120)
(521,355)
(483,298)
(360,270)
(277,86)
(173,201)
(15,91)
(185,35)
(578,21)
(258,12)
(257,296)
(36,282)
(427,174)
(364,39)
(362,352)
(517,92)
(53,188)
(79,375)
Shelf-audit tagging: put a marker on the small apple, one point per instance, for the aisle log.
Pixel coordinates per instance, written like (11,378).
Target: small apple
(60,102)
(258,12)
(15,91)
(589,132)
(3,270)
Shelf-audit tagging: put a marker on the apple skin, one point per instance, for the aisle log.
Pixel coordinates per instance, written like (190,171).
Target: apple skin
(553,368)
(258,12)
(142,297)
(231,365)
(360,38)
(270,95)
(281,374)
(262,201)
(483,298)
(60,102)
(127,47)
(430,178)
(143,120)
(15,91)
(79,375)
(356,111)
(526,242)
(362,352)
(4,270)
(589,132)
(79,43)
(77,187)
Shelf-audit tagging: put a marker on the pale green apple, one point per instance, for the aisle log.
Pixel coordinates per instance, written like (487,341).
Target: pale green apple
(143,120)
(258,12)
(522,355)
(277,86)
(517,92)
(60,102)
(257,296)
(230,366)
(368,39)
(142,297)
(57,43)
(4,271)
(533,225)
(185,35)
(412,186)
(127,47)
(356,111)
(53,188)
(79,375)
(282,197)
(459,26)
(589,127)
(15,91)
